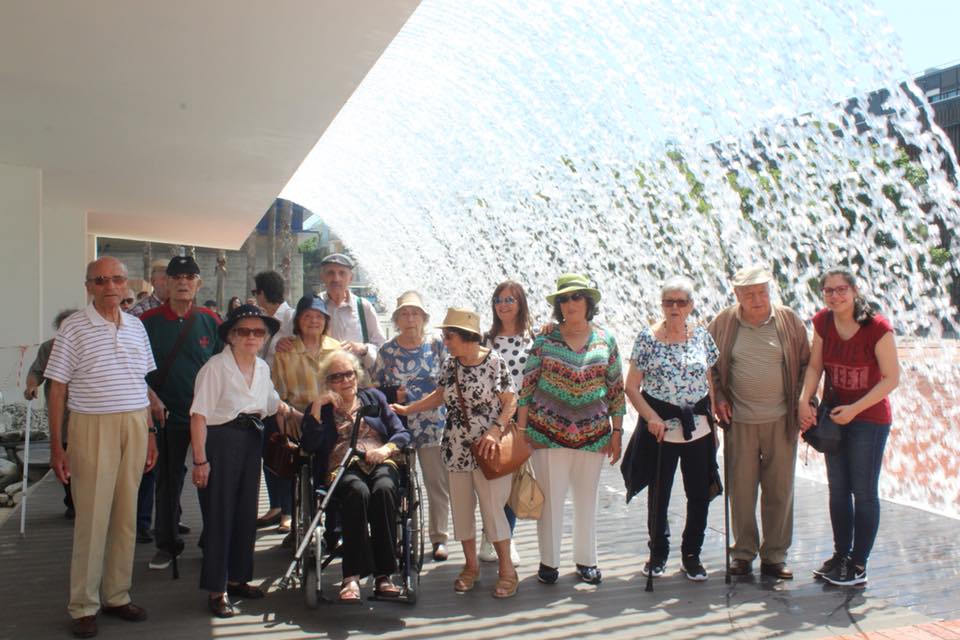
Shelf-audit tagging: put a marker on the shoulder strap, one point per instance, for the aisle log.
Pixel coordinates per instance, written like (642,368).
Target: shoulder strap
(362,319)
(164,371)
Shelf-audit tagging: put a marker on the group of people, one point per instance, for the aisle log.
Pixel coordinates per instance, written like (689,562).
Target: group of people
(221,388)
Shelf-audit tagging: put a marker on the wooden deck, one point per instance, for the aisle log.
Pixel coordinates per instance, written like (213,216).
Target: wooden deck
(914,580)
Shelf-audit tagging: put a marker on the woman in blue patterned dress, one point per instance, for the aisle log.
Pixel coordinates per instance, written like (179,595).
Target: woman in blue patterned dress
(406,370)
(668,383)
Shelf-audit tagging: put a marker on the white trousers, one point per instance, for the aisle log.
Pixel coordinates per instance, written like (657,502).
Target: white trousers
(556,470)
(435,479)
(466,488)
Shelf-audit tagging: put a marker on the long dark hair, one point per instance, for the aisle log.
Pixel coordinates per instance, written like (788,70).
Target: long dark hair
(862,312)
(523,312)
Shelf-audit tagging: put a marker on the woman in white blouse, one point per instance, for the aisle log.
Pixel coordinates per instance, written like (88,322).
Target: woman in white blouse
(232,393)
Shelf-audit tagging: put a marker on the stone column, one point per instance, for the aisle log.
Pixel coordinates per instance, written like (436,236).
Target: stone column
(147,259)
(250,246)
(221,279)
(272,237)
(286,242)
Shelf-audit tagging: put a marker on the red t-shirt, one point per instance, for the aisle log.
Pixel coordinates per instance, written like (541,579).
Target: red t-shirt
(852,364)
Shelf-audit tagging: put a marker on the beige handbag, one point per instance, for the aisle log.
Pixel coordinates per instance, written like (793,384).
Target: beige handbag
(526,497)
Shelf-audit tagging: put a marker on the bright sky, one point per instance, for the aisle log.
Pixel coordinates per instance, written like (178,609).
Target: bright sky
(928,30)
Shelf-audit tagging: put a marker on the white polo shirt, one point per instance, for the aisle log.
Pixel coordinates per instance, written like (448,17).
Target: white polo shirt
(221,392)
(104,364)
(284,315)
(345,324)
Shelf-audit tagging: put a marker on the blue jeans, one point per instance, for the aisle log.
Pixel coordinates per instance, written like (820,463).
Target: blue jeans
(853,476)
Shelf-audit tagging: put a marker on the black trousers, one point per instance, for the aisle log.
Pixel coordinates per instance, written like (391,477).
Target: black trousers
(695,460)
(170,472)
(229,505)
(369,499)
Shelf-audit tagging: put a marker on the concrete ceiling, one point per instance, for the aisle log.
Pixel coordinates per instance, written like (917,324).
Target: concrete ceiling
(178,121)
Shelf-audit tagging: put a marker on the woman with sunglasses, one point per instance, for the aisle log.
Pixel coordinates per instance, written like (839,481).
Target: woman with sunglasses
(233,391)
(510,335)
(368,490)
(857,350)
(476,387)
(668,383)
(572,407)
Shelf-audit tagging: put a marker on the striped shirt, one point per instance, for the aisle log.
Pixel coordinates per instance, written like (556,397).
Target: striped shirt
(140,308)
(104,364)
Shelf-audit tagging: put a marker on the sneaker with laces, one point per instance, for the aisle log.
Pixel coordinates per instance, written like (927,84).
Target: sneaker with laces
(693,569)
(487,553)
(828,566)
(656,568)
(161,560)
(846,574)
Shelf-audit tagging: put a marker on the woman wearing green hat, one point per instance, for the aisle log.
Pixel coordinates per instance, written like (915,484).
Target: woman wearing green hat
(572,407)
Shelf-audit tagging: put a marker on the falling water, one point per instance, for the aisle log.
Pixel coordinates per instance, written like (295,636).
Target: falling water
(632,141)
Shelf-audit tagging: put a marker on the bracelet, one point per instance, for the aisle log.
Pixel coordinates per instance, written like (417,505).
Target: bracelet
(618,430)
(200,464)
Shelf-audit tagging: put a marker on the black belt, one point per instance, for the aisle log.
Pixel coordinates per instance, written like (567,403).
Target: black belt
(243,421)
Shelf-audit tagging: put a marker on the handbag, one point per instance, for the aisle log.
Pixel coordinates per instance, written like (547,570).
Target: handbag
(825,435)
(526,497)
(280,456)
(512,451)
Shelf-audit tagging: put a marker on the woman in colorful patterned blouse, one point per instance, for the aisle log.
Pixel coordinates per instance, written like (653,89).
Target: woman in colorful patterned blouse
(856,348)
(572,407)
(477,389)
(668,383)
(407,369)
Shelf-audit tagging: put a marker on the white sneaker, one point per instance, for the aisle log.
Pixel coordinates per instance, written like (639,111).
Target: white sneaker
(487,553)
(514,555)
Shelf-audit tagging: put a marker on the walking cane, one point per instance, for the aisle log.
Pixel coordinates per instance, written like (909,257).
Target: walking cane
(655,497)
(173,502)
(724,426)
(26,466)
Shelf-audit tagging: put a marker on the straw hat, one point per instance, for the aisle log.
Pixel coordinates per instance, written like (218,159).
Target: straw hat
(754,274)
(572,282)
(410,299)
(461,319)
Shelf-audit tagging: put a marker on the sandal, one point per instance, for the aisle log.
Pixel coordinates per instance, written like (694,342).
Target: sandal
(466,580)
(384,588)
(507,586)
(349,591)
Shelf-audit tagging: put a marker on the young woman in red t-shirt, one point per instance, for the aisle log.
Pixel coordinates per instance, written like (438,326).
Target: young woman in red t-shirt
(856,348)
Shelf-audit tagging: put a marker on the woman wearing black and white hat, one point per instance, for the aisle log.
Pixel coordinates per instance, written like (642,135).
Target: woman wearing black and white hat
(232,393)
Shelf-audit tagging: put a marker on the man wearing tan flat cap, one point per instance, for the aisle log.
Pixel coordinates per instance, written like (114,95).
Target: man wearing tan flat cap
(764,350)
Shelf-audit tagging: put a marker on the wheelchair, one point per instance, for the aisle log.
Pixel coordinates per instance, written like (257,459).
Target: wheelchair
(317,535)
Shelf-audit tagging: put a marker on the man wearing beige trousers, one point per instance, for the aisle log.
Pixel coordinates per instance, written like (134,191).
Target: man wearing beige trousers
(104,355)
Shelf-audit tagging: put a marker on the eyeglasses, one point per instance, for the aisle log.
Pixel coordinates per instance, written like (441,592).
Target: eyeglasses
(840,291)
(504,300)
(102,280)
(246,332)
(343,376)
(576,297)
(185,276)
(674,302)
(254,292)
(127,301)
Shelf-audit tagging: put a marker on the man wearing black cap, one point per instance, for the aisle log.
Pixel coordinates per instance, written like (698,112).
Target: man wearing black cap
(353,320)
(183,337)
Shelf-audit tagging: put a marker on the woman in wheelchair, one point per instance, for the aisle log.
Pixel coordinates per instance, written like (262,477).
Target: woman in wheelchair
(368,490)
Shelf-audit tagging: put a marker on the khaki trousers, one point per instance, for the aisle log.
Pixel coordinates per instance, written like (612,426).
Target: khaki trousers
(436,481)
(469,487)
(761,457)
(107,454)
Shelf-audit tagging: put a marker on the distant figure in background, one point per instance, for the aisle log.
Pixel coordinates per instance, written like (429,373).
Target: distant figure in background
(158,279)
(35,379)
(252,301)
(212,305)
(142,294)
(235,302)
(128,299)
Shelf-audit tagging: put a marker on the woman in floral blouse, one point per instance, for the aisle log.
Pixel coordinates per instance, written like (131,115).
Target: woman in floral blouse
(407,369)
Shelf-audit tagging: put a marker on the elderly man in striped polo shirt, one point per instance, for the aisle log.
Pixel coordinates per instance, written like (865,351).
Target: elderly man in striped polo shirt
(104,355)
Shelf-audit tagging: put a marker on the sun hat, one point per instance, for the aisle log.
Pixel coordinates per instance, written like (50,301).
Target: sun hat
(247,311)
(410,299)
(461,319)
(754,274)
(572,282)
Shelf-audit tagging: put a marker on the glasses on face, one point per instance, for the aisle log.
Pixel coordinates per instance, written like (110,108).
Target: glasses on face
(343,376)
(504,300)
(127,301)
(840,291)
(674,302)
(576,297)
(185,276)
(102,280)
(246,332)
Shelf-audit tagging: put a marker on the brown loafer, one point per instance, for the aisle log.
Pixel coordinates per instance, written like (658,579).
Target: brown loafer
(776,570)
(129,612)
(245,590)
(85,627)
(740,567)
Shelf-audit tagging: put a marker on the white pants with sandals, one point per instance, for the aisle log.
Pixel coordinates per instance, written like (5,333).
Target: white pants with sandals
(466,488)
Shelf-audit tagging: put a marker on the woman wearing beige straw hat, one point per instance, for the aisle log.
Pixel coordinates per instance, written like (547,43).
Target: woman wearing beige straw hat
(572,407)
(407,370)
(476,386)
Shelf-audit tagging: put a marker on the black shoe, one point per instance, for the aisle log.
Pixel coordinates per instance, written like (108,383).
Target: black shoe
(832,563)
(693,569)
(590,575)
(846,574)
(182,528)
(70,514)
(778,570)
(547,575)
(655,568)
(221,607)
(144,536)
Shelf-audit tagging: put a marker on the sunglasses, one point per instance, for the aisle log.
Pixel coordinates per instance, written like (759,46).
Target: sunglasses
(840,291)
(674,302)
(504,300)
(254,292)
(343,376)
(245,332)
(102,280)
(576,297)
(128,301)
(184,276)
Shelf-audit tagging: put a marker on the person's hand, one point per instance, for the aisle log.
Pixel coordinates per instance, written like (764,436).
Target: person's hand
(30,392)
(284,344)
(657,428)
(378,455)
(290,424)
(402,394)
(724,412)
(201,475)
(488,443)
(151,452)
(329,397)
(356,348)
(843,414)
(400,409)
(158,411)
(546,328)
(59,462)
(806,416)
(613,447)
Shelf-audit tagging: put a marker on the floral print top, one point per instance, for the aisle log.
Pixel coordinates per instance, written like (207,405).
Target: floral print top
(676,373)
(482,385)
(417,371)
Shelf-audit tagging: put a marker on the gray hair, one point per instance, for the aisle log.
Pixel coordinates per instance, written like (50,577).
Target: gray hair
(351,359)
(63,315)
(682,284)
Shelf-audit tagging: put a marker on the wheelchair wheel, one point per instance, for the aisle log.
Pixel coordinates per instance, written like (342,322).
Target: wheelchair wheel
(311,581)
(304,505)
